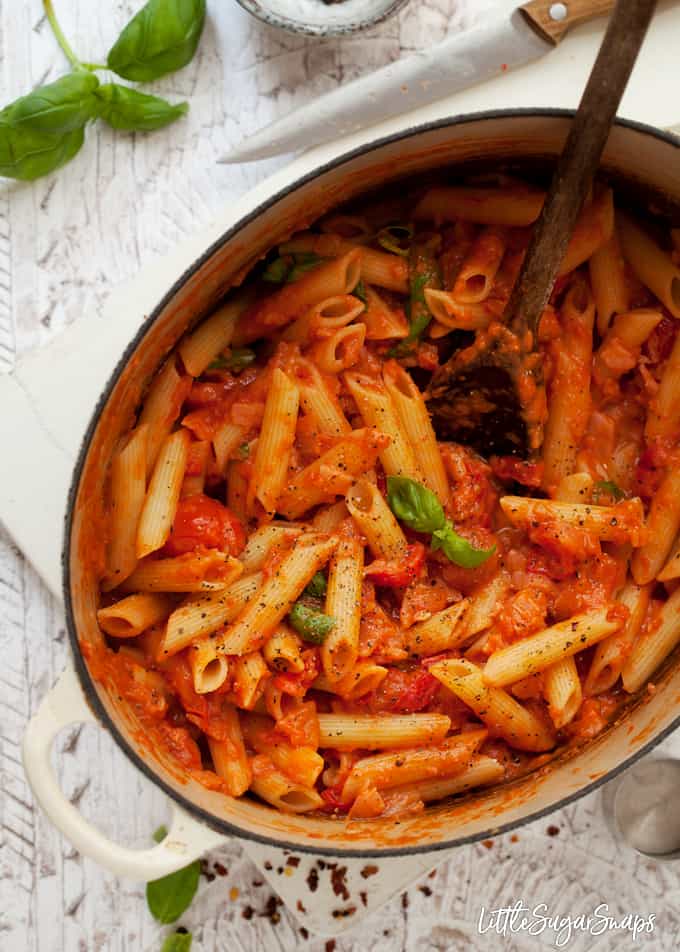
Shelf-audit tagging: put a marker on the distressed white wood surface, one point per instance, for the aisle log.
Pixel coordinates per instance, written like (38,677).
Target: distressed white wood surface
(64,242)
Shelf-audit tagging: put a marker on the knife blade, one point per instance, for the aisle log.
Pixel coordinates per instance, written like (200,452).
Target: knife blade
(455,64)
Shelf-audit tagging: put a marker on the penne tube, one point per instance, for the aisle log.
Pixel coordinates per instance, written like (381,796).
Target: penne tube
(609,523)
(333,277)
(619,351)
(485,604)
(329,518)
(593,229)
(340,351)
(162,406)
(375,520)
(275,442)
(199,456)
(303,764)
(382,321)
(442,631)
(663,523)
(415,420)
(654,646)
(495,707)
(212,335)
(578,488)
(366,676)
(317,401)
(563,691)
(543,649)
(324,319)
(249,674)
(480,772)
(343,603)
(229,755)
(280,791)
(263,541)
(382,771)
(514,207)
(453,314)
(237,488)
(377,410)
(477,274)
(227,439)
(611,653)
(283,651)
(377,267)
(332,473)
(126,500)
(209,669)
(275,598)
(653,266)
(203,571)
(663,414)
(162,496)
(608,282)
(201,615)
(131,616)
(375,731)
(569,399)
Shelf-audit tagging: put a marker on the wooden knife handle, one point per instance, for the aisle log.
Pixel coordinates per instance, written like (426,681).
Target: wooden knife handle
(549,19)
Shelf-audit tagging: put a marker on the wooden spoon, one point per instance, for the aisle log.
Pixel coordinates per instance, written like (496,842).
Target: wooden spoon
(491,395)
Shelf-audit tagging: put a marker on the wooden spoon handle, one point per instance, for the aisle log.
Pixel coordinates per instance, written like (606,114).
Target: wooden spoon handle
(552,20)
(578,163)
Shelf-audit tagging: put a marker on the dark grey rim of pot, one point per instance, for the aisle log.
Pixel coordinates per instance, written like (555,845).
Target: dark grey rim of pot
(260,12)
(85,679)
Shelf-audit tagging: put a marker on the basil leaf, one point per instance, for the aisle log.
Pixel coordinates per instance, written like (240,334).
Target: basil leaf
(457,549)
(26,154)
(423,273)
(57,108)
(414,504)
(278,270)
(169,897)
(238,359)
(132,111)
(360,291)
(317,586)
(304,262)
(311,625)
(396,239)
(607,488)
(160,39)
(177,942)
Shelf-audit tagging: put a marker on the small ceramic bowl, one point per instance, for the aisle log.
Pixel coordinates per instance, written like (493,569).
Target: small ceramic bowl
(320,18)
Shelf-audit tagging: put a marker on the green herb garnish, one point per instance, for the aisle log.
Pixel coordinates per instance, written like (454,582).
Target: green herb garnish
(418,508)
(396,239)
(169,897)
(177,942)
(423,274)
(235,360)
(607,488)
(311,625)
(360,291)
(317,586)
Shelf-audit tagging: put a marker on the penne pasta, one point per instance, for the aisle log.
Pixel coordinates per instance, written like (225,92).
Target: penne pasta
(375,731)
(486,206)
(168,391)
(210,570)
(495,707)
(227,439)
(415,420)
(611,653)
(608,523)
(131,616)
(654,646)
(480,772)
(283,651)
(442,631)
(343,603)
(545,648)
(594,228)
(210,338)
(126,495)
(229,755)
(608,282)
(452,314)
(366,676)
(663,416)
(280,791)
(249,674)
(209,669)
(653,266)
(162,495)
(377,267)
(303,764)
(381,321)
(275,443)
(340,350)
(324,319)
(375,520)
(663,523)
(263,541)
(563,691)
(317,401)
(477,274)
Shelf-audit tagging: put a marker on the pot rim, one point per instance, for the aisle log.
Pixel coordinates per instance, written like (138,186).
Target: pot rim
(86,681)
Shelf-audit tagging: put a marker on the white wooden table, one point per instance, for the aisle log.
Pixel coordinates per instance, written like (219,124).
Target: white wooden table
(64,243)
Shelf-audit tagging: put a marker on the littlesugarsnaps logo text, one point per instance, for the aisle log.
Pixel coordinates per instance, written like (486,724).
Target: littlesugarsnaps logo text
(536,920)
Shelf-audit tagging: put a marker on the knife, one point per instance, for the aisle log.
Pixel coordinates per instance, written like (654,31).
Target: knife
(518,36)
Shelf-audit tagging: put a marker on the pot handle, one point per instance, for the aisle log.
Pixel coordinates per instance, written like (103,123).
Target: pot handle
(187,839)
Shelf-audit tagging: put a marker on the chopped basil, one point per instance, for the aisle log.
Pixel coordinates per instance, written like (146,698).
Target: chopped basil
(236,360)
(423,274)
(317,586)
(288,268)
(607,488)
(360,291)
(311,625)
(277,270)
(168,897)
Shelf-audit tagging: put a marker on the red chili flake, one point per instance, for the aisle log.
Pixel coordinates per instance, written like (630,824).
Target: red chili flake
(248,912)
(364,897)
(293,861)
(425,890)
(220,869)
(343,913)
(553,830)
(487,843)
(404,900)
(267,865)
(330,945)
(300,907)
(313,880)
(338,882)
(369,871)
(504,67)
(514,838)
(304,932)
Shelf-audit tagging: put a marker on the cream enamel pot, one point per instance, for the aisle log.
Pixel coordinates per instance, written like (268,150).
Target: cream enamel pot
(650,162)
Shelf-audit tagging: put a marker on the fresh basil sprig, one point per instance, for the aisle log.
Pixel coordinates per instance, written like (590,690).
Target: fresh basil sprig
(160,39)
(177,942)
(423,273)
(317,587)
(42,131)
(418,508)
(131,111)
(607,488)
(168,897)
(311,625)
